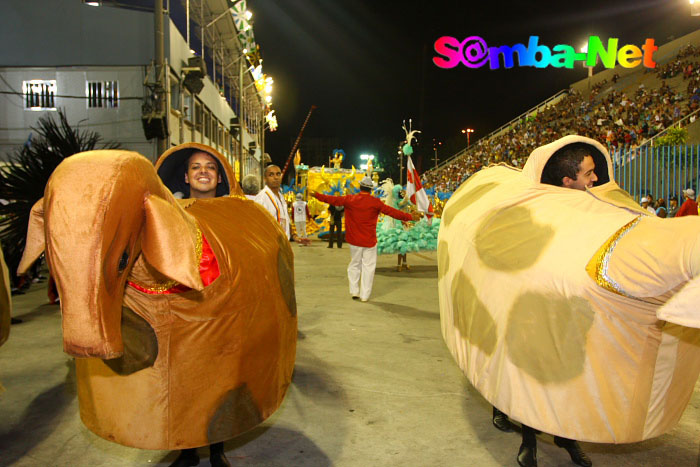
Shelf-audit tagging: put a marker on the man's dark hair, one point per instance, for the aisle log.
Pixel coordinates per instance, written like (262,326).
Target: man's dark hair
(365,188)
(565,162)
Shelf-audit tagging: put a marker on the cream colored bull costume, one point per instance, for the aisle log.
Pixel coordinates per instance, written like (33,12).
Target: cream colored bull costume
(174,361)
(571,311)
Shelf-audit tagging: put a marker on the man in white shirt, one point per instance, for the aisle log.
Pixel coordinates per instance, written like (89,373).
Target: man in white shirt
(645,204)
(272,200)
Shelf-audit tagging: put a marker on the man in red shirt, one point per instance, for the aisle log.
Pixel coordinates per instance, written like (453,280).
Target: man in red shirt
(689,206)
(361,212)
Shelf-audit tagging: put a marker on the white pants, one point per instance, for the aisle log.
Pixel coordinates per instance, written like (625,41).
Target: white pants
(301,228)
(363,262)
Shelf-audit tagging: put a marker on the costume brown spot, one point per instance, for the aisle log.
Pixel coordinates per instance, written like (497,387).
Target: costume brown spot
(471,316)
(509,239)
(464,200)
(237,413)
(285,273)
(443,259)
(546,335)
(140,345)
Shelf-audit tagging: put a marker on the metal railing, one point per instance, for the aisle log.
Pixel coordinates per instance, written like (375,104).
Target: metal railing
(663,171)
(541,106)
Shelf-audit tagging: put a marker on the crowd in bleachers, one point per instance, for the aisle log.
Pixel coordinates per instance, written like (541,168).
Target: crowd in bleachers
(621,116)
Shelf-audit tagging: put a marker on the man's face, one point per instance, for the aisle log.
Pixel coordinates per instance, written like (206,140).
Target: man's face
(585,177)
(673,203)
(273,177)
(202,175)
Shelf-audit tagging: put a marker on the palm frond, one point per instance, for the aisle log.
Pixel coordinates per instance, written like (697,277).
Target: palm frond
(24,178)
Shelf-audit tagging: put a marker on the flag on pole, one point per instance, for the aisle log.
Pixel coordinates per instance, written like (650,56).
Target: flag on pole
(415,191)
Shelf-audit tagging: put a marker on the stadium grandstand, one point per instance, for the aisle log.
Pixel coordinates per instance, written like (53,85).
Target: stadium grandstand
(625,109)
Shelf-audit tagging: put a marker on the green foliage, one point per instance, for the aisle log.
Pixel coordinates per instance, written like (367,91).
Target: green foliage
(673,137)
(24,177)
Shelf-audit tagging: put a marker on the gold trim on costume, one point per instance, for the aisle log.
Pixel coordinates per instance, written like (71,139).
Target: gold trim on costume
(598,266)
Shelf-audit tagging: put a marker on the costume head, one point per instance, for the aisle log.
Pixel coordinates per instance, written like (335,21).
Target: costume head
(173,165)
(571,166)
(202,175)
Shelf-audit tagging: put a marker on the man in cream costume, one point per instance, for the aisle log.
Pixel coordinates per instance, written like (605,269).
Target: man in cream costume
(563,309)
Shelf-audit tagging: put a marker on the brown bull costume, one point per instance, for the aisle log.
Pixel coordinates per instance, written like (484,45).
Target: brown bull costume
(184,308)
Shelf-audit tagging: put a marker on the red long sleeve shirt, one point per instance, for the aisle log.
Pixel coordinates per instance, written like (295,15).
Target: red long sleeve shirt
(361,212)
(688,208)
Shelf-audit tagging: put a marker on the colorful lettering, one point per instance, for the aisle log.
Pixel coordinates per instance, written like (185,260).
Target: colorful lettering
(595,48)
(473,52)
(629,56)
(450,48)
(649,48)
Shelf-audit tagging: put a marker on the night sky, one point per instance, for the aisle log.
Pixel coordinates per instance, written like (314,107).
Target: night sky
(367,65)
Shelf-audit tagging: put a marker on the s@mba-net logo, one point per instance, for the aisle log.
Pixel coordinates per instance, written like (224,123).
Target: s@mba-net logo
(473,52)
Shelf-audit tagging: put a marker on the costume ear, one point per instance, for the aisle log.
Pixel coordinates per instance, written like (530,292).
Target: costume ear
(170,242)
(36,237)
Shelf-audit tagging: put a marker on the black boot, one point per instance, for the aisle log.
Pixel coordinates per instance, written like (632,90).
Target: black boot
(217,458)
(527,456)
(187,458)
(500,421)
(574,449)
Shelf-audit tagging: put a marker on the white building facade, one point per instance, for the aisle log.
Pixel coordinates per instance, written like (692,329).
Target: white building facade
(96,64)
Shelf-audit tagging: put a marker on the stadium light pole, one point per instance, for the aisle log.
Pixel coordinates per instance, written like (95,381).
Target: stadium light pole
(584,49)
(468,132)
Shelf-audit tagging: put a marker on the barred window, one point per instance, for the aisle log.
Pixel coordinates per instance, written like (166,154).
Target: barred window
(199,117)
(103,94)
(187,109)
(207,125)
(39,94)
